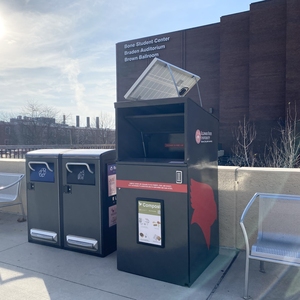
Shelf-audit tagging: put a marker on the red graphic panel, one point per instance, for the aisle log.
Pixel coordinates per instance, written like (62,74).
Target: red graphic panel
(205,208)
(152,186)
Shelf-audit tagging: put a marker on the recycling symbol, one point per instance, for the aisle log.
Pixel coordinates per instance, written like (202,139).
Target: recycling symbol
(42,172)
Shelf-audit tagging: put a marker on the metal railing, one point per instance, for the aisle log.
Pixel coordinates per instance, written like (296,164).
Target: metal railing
(19,151)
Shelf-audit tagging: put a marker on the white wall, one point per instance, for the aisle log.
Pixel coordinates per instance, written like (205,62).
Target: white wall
(236,188)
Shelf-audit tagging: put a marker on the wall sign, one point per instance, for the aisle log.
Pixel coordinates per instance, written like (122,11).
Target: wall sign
(145,49)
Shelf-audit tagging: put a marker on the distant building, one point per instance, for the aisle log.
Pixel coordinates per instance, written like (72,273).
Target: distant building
(5,133)
(249,65)
(45,131)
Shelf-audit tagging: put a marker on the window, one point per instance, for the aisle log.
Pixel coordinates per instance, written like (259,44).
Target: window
(7,130)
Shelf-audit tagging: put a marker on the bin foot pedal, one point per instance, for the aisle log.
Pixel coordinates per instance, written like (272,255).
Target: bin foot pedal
(82,242)
(39,234)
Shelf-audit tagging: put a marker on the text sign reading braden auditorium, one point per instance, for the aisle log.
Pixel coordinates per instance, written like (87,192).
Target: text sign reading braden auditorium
(145,49)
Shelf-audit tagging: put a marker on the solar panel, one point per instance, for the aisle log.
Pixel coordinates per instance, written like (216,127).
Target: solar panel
(162,80)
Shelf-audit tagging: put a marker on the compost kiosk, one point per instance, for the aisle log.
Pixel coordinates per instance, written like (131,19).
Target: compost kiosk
(167,178)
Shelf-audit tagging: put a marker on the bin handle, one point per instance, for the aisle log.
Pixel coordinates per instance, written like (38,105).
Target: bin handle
(78,164)
(38,163)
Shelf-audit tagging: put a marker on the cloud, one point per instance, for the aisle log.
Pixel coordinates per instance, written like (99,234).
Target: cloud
(42,56)
(62,52)
(71,69)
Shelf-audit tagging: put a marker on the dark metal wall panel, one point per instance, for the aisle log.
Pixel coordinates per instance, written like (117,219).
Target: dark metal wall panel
(292,54)
(267,60)
(267,67)
(202,57)
(131,66)
(234,74)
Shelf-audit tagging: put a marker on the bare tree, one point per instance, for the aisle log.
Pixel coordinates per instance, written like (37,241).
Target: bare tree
(242,150)
(37,123)
(99,132)
(34,110)
(106,134)
(4,116)
(284,150)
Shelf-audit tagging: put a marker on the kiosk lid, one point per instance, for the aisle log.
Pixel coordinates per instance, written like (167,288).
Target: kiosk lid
(162,80)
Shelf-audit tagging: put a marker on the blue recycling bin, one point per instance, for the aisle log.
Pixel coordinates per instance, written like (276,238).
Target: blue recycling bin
(44,193)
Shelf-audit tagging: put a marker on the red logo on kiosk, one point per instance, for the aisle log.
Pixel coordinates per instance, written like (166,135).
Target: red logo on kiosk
(205,208)
(198,136)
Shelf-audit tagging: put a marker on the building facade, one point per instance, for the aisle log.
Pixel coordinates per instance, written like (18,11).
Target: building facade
(249,65)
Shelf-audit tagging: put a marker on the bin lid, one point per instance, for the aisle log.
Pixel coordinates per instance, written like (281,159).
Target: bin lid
(46,153)
(86,153)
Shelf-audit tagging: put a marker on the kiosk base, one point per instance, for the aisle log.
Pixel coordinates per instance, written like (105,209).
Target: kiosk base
(158,235)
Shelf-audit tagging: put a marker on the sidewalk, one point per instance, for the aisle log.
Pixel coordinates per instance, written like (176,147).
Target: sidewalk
(31,271)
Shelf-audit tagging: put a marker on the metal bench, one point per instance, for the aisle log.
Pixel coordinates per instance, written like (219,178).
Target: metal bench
(10,195)
(278,232)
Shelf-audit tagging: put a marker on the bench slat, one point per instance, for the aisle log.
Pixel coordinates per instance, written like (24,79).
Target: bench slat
(277,251)
(8,197)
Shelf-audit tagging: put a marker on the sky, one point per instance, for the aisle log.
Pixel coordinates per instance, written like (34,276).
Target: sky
(61,53)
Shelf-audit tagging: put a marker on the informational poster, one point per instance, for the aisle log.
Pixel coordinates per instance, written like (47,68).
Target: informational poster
(150,222)
(112,180)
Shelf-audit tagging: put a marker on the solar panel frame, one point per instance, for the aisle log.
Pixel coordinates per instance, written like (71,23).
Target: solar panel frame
(161,80)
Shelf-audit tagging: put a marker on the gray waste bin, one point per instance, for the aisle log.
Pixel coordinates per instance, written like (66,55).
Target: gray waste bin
(89,201)
(44,193)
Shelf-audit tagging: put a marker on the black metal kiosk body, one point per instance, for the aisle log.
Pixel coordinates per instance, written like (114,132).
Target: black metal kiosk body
(167,189)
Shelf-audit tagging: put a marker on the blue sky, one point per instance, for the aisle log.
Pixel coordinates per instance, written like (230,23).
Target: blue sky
(61,53)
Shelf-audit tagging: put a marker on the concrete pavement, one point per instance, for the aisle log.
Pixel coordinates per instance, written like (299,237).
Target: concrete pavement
(31,271)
